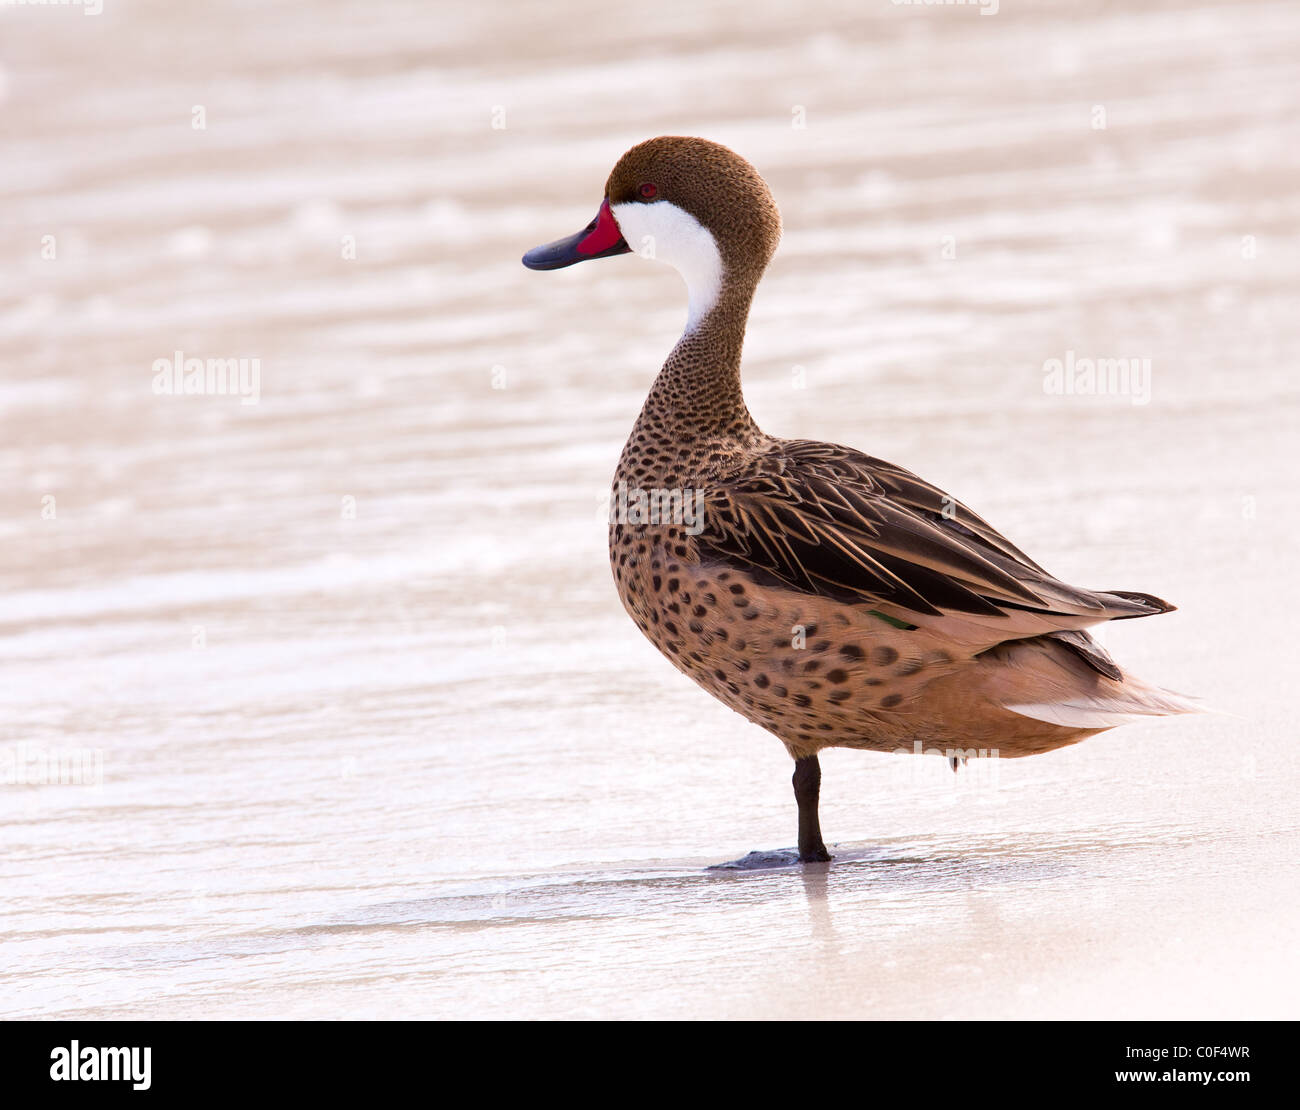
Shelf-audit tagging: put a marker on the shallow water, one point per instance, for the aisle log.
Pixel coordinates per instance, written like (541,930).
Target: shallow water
(376,737)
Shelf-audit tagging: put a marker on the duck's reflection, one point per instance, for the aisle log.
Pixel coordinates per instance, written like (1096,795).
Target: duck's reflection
(817,881)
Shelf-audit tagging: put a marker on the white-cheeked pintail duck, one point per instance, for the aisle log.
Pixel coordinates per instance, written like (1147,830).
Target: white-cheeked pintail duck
(834,599)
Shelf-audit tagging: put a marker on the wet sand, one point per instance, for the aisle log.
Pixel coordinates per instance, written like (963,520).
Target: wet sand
(375,736)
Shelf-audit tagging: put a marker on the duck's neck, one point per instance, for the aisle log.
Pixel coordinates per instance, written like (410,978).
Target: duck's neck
(697,397)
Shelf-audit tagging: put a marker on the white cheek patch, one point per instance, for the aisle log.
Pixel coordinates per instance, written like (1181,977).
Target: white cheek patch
(664,232)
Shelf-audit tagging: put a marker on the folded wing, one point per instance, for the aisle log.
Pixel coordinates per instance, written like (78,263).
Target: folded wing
(828,520)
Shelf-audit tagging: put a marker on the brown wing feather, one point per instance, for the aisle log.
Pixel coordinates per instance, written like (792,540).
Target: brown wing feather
(829,520)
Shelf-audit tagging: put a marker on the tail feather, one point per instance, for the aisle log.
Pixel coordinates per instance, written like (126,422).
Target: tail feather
(1064,681)
(1131,702)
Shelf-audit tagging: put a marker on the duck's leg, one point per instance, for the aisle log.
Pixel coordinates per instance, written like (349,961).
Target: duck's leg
(807,789)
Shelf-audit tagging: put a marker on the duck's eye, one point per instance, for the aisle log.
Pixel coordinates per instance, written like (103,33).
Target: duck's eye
(648,191)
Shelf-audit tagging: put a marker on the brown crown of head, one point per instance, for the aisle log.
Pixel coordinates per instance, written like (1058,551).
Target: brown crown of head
(714,184)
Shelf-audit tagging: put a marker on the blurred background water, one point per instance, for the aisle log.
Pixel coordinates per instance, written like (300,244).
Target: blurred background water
(376,737)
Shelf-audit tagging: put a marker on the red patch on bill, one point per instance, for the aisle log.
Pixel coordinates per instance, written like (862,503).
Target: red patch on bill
(605,234)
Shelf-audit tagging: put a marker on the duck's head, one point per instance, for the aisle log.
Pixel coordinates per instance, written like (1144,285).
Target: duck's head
(689,202)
